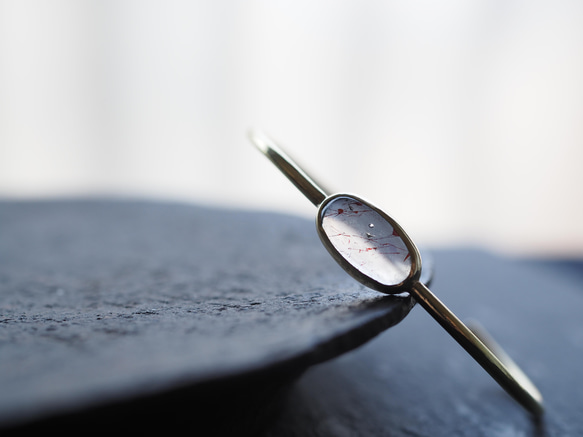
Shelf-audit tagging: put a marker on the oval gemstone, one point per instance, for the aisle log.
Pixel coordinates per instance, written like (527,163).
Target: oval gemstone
(366,240)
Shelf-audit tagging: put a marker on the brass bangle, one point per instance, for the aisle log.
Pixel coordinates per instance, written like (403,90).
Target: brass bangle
(373,248)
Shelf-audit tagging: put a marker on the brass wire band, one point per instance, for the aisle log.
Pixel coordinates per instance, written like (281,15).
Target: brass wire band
(475,341)
(289,168)
(484,350)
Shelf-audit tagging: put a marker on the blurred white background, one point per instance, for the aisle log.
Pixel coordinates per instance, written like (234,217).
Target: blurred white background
(463,119)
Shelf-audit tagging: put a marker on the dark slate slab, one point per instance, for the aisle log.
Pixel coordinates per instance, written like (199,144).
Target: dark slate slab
(160,316)
(418,382)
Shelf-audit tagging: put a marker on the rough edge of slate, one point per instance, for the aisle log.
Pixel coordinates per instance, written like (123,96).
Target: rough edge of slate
(240,404)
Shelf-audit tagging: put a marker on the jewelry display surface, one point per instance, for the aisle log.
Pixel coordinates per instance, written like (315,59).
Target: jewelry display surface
(104,303)
(413,380)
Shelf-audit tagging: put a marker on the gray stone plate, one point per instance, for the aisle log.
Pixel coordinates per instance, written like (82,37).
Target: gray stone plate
(110,309)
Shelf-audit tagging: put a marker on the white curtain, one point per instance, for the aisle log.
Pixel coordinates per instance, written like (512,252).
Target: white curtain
(462,119)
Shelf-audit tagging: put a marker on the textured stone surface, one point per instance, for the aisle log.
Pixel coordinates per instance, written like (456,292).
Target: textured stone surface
(417,381)
(107,303)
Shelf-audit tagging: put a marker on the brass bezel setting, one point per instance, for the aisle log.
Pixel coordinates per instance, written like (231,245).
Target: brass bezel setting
(366,280)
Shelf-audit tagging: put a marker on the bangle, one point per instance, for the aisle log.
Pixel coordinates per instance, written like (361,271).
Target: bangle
(376,251)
